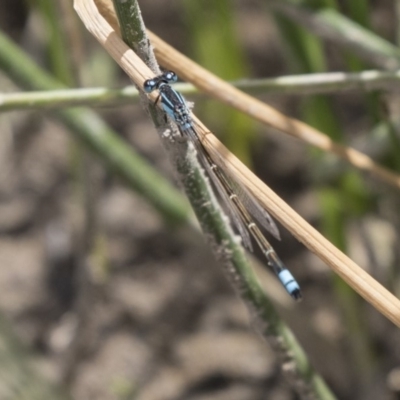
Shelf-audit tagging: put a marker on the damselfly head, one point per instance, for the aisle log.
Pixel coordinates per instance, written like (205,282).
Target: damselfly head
(155,83)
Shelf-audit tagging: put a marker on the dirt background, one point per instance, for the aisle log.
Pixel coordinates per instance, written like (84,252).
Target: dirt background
(112,303)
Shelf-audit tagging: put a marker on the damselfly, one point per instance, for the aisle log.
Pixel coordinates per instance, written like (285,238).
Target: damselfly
(241,206)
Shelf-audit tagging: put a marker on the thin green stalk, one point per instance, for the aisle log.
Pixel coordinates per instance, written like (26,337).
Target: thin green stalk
(62,98)
(88,127)
(294,361)
(134,32)
(307,84)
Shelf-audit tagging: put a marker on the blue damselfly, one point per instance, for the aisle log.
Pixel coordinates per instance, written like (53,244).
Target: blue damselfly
(242,208)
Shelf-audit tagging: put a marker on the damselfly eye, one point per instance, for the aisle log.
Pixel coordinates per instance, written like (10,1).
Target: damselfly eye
(149,85)
(170,76)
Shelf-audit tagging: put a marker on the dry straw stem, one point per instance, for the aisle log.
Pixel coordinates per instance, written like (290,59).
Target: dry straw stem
(355,276)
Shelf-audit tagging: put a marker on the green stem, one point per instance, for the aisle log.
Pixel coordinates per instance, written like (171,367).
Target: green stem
(302,84)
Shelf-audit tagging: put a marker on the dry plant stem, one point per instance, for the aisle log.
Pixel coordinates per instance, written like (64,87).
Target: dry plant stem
(217,88)
(355,276)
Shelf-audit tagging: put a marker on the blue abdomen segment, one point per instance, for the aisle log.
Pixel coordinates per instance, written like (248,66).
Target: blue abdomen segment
(290,284)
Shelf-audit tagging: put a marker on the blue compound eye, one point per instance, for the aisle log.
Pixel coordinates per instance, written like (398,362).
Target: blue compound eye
(170,76)
(149,85)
